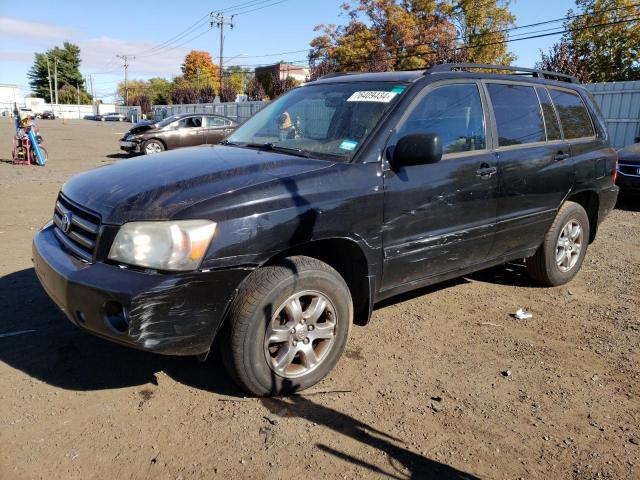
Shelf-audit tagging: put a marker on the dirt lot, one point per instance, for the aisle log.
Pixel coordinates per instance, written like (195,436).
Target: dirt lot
(419,394)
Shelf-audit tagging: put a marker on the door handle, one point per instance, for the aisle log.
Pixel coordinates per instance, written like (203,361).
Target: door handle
(561,156)
(485,171)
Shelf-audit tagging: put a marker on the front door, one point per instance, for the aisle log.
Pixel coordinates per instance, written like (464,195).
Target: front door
(191,131)
(440,218)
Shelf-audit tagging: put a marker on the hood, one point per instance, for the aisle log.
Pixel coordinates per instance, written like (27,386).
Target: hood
(630,154)
(142,127)
(157,187)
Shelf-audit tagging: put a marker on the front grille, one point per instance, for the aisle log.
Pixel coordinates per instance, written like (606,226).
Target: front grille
(76,228)
(628,169)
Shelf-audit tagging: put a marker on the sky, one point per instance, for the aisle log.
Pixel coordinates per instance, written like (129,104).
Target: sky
(263,31)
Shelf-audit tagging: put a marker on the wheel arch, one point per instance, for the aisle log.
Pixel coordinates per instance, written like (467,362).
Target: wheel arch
(349,260)
(590,201)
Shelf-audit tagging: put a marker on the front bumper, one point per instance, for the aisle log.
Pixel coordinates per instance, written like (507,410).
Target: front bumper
(176,314)
(128,146)
(628,182)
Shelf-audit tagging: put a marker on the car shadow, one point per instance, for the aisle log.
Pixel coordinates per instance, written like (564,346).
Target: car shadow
(37,339)
(121,156)
(403,463)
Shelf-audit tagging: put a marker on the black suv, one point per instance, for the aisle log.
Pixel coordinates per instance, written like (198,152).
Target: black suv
(337,195)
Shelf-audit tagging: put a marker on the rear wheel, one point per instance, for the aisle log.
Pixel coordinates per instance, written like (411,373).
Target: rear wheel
(560,256)
(287,327)
(152,146)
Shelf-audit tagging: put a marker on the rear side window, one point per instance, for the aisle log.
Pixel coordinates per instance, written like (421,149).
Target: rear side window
(550,117)
(518,114)
(216,122)
(454,113)
(575,119)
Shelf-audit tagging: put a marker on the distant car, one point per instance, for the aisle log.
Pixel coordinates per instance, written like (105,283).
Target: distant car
(111,117)
(629,167)
(48,115)
(185,130)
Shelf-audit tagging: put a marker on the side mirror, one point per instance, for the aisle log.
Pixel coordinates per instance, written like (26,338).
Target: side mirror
(417,149)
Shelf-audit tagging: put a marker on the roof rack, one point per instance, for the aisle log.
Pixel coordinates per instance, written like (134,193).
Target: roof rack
(337,74)
(534,72)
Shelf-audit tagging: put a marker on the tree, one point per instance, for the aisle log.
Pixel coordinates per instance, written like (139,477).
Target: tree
(411,34)
(199,70)
(135,87)
(143,101)
(237,78)
(228,93)
(207,95)
(280,86)
(604,39)
(68,60)
(159,91)
(188,95)
(482,25)
(69,95)
(255,90)
(562,59)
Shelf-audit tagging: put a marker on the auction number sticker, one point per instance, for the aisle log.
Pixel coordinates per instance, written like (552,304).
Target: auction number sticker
(372,96)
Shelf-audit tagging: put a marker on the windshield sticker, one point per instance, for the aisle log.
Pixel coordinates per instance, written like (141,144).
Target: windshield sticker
(398,89)
(380,97)
(349,145)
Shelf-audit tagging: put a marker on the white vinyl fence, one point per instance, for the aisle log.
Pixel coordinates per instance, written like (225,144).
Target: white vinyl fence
(238,111)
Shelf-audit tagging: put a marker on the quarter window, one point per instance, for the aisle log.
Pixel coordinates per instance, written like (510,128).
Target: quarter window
(550,117)
(518,114)
(575,119)
(454,113)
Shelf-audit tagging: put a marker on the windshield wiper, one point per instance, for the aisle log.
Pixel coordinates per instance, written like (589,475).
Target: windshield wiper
(279,148)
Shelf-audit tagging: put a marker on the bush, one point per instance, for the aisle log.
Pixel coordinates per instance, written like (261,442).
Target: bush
(255,90)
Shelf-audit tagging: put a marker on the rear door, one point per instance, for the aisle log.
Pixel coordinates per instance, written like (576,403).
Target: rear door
(216,128)
(536,171)
(440,218)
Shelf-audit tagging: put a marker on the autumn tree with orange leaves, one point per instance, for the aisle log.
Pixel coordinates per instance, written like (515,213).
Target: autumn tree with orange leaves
(199,70)
(412,34)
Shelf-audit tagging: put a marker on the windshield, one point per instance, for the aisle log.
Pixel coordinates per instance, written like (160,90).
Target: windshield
(326,120)
(169,120)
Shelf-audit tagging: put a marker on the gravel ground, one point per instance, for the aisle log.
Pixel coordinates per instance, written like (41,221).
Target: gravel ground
(422,392)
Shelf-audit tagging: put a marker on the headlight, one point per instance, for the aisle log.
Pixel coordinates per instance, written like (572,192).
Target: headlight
(173,245)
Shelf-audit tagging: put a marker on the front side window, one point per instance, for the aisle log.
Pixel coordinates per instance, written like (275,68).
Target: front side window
(575,119)
(518,115)
(326,120)
(454,113)
(190,122)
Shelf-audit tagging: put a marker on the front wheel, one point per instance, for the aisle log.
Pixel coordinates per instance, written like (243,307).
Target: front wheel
(560,256)
(152,146)
(287,327)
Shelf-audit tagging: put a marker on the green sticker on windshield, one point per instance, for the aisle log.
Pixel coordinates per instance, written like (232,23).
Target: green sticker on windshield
(398,89)
(349,145)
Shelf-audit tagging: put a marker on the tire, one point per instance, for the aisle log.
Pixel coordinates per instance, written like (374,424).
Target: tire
(152,146)
(259,308)
(34,158)
(556,261)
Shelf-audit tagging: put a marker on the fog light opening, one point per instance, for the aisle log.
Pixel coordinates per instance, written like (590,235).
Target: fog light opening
(115,317)
(81,316)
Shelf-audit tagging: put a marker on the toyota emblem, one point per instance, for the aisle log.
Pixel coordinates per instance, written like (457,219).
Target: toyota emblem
(65,222)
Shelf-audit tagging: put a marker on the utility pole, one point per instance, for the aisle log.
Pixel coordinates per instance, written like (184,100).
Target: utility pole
(55,75)
(93,92)
(126,58)
(49,78)
(219,20)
